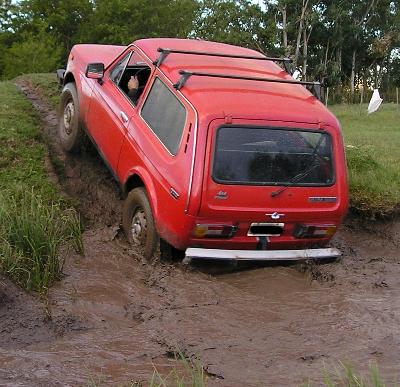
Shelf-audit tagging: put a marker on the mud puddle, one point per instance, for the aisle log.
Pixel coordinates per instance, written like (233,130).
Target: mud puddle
(114,315)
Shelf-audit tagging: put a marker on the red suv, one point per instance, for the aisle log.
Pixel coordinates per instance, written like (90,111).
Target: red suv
(220,152)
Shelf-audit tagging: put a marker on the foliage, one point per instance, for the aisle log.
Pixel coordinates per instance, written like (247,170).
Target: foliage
(123,21)
(236,22)
(39,53)
(63,19)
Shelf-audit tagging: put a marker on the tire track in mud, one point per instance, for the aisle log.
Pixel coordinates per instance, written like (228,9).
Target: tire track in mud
(268,325)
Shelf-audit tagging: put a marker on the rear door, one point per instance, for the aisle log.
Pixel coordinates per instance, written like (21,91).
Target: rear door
(248,167)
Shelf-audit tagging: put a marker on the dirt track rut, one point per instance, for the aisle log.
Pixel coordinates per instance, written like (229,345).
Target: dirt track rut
(114,314)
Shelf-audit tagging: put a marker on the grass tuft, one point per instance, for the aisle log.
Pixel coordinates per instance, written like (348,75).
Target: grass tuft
(192,375)
(346,376)
(31,234)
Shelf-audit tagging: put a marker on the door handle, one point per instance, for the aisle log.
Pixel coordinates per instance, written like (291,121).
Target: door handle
(173,193)
(124,117)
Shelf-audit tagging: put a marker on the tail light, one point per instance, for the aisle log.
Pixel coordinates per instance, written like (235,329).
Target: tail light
(313,231)
(214,231)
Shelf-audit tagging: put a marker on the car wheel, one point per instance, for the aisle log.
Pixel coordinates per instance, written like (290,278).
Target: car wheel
(69,128)
(138,222)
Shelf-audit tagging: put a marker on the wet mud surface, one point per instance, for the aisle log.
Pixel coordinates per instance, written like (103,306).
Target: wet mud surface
(114,315)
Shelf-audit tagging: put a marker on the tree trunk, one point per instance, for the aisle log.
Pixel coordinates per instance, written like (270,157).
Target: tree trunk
(284,32)
(326,60)
(339,58)
(353,72)
(305,48)
(300,32)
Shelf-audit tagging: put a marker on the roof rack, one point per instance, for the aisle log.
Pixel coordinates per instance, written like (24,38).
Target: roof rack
(185,75)
(164,52)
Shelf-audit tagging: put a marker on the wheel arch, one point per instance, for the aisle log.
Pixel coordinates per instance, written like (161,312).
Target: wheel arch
(141,178)
(68,78)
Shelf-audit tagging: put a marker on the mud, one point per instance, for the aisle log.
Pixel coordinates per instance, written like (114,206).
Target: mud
(114,315)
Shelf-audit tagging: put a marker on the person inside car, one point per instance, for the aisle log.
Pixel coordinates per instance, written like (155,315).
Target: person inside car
(133,88)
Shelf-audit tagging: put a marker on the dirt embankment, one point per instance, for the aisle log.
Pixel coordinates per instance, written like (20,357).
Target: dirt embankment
(114,315)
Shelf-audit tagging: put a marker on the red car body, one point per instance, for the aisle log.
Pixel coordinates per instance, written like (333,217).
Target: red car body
(196,206)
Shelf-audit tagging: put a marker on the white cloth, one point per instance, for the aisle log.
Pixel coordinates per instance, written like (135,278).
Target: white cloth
(375,102)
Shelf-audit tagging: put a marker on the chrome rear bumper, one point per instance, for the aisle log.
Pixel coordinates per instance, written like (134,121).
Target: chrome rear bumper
(260,255)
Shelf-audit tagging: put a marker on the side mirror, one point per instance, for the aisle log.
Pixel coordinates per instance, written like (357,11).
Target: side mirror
(95,71)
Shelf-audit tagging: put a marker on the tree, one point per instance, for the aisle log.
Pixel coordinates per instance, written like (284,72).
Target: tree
(123,21)
(238,22)
(33,54)
(63,19)
(296,20)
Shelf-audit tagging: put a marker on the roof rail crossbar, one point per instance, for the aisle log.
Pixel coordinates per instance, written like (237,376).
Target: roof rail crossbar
(164,52)
(185,75)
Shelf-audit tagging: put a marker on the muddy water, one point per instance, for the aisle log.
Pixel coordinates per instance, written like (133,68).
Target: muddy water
(114,315)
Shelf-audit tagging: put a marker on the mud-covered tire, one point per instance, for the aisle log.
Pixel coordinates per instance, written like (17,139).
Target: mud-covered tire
(170,253)
(138,222)
(69,128)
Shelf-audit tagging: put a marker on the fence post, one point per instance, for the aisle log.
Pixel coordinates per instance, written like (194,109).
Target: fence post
(361,99)
(397,97)
(326,96)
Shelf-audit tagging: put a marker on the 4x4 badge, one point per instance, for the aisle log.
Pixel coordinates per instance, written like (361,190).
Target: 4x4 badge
(275,216)
(221,195)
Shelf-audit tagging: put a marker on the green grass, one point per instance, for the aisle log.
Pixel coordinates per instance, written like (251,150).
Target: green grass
(373,153)
(35,220)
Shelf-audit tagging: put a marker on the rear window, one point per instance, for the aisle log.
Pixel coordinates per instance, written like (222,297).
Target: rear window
(266,156)
(165,115)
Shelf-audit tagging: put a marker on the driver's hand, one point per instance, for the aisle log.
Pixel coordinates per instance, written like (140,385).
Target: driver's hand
(133,83)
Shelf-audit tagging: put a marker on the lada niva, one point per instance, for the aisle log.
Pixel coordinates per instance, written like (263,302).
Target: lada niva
(220,153)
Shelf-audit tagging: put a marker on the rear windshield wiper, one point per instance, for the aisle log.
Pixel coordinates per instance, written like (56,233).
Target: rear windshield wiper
(314,164)
(297,178)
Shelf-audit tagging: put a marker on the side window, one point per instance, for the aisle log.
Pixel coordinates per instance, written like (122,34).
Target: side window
(165,115)
(117,71)
(130,75)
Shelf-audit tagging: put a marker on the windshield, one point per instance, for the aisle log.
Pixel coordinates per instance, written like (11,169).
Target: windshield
(269,156)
